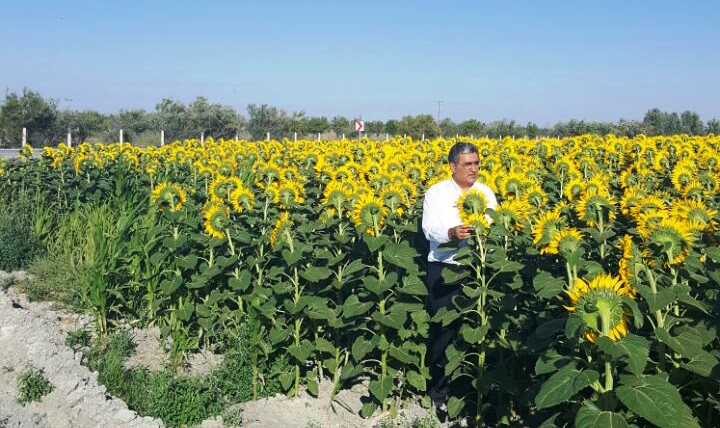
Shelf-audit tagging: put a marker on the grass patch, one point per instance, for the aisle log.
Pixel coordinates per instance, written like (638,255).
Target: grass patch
(32,386)
(177,399)
(18,243)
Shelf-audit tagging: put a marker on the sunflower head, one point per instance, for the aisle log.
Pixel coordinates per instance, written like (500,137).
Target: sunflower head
(168,196)
(599,303)
(545,227)
(242,199)
(216,216)
(369,212)
(566,241)
(595,207)
(668,238)
(471,204)
(281,231)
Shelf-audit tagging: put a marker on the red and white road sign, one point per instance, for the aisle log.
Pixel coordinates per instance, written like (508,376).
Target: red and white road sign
(359,126)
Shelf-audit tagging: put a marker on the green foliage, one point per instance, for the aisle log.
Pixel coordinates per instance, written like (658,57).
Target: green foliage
(18,245)
(32,386)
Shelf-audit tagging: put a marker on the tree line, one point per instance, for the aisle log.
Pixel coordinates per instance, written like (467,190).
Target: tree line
(47,124)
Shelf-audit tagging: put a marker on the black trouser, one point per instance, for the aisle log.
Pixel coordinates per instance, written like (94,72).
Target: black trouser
(440,295)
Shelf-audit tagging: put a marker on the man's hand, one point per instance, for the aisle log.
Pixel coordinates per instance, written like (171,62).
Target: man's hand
(460,232)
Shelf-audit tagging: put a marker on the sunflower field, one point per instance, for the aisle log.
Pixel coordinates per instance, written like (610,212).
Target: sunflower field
(590,299)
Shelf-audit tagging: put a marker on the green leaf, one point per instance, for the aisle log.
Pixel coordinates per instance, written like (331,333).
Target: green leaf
(507,266)
(312,387)
(656,400)
(590,416)
(353,307)
(187,262)
(360,348)
(551,362)
(416,380)
(315,273)
(394,320)
(474,335)
(682,294)
(454,406)
(403,354)
(637,349)
(380,389)
(324,345)
(547,286)
(401,255)
(286,380)
(374,243)
(658,301)
(704,364)
(413,286)
(688,343)
(242,282)
(368,409)
(291,257)
(563,385)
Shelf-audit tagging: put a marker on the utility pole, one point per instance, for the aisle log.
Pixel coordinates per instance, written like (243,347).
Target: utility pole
(438,110)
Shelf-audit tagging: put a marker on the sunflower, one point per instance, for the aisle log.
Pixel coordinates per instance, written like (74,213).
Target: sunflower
(216,217)
(394,198)
(471,204)
(335,197)
(536,196)
(599,303)
(168,195)
(574,188)
(242,199)
(647,203)
(595,206)
(564,241)
(631,257)
(513,214)
(221,187)
(700,216)
(667,237)
(288,193)
(545,226)
(282,224)
(369,212)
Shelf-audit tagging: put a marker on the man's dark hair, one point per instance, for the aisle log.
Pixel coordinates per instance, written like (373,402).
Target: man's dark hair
(461,148)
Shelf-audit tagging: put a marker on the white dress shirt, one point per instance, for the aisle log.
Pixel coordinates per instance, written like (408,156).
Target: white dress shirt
(440,213)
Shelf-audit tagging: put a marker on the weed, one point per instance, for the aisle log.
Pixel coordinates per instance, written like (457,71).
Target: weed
(53,279)
(78,339)
(18,245)
(233,417)
(32,386)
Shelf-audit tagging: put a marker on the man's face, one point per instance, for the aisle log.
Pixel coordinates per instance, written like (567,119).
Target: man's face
(465,170)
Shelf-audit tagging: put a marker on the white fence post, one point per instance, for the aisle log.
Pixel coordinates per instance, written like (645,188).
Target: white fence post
(24,136)
(294,136)
(387,136)
(202,138)
(121,137)
(162,137)
(343,136)
(69,138)
(268,137)
(318,136)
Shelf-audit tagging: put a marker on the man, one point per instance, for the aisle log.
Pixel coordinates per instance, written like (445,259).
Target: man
(441,224)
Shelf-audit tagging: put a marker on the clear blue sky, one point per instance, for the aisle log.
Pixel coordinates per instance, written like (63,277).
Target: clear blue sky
(540,61)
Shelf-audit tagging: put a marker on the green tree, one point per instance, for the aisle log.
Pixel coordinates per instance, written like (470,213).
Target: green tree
(448,128)
(341,125)
(691,123)
(263,119)
(713,127)
(471,127)
(317,125)
(32,111)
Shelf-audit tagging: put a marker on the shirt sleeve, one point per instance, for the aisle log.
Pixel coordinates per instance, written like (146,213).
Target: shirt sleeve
(434,218)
